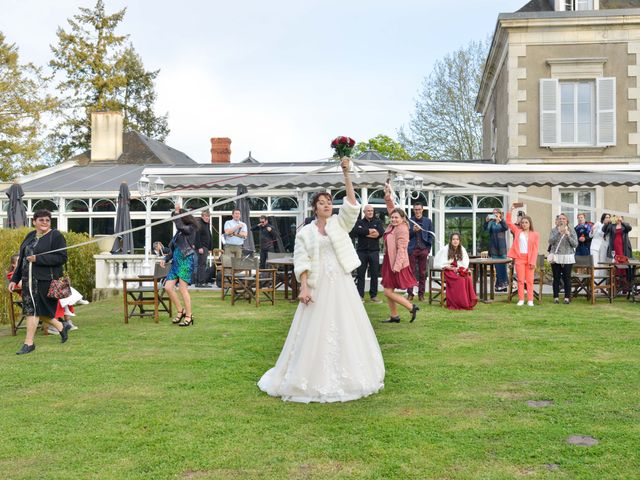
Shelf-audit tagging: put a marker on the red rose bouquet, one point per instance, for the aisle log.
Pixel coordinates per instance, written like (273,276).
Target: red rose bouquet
(343,146)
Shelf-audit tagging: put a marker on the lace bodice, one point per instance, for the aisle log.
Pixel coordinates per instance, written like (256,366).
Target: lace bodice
(329,265)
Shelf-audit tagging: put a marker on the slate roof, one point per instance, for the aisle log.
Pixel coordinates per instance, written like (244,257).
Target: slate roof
(142,150)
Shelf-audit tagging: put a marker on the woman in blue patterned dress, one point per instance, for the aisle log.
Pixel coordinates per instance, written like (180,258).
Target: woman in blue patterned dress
(182,254)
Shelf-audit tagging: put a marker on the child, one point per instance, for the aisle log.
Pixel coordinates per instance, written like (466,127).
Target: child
(65,309)
(14,263)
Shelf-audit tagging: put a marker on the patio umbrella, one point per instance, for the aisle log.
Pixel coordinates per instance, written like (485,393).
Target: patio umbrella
(123,243)
(279,246)
(242,204)
(16,213)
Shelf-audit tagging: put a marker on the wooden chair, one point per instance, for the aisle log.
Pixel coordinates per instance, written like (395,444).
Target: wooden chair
(538,279)
(217,253)
(225,275)
(16,317)
(582,276)
(437,283)
(243,279)
(140,295)
(603,281)
(249,281)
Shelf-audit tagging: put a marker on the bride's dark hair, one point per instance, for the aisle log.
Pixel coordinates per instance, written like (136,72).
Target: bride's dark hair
(316,198)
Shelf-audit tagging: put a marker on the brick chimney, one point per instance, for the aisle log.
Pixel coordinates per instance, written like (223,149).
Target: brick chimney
(221,150)
(106,136)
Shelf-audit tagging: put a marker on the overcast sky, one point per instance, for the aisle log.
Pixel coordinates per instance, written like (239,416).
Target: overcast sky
(280,78)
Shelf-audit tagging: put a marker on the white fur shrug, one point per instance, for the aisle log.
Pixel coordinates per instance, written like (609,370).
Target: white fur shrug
(442,259)
(306,252)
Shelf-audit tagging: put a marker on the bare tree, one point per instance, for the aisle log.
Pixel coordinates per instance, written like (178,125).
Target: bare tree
(444,124)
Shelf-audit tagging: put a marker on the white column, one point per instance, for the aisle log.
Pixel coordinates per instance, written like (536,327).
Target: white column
(147,236)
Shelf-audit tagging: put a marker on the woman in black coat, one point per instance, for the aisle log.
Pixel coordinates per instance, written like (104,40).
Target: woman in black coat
(36,269)
(618,228)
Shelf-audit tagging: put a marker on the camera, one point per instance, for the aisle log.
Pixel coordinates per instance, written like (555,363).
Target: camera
(492,216)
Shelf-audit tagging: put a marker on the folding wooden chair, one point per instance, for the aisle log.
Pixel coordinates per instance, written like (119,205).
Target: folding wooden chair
(582,277)
(437,283)
(603,281)
(243,278)
(225,275)
(137,297)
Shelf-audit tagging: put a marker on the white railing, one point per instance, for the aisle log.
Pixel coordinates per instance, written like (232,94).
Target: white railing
(110,269)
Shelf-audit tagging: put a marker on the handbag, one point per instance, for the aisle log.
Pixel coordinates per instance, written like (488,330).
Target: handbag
(621,259)
(551,256)
(59,287)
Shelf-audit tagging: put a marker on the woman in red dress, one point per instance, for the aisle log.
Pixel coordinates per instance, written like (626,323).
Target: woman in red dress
(396,272)
(453,259)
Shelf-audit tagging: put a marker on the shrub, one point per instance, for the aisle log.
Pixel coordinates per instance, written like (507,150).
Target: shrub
(81,266)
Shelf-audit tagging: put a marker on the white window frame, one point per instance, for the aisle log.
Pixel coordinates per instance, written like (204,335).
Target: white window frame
(604,107)
(576,5)
(576,208)
(592,134)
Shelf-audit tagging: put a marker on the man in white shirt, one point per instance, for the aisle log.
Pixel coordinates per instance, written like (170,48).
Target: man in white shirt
(235,232)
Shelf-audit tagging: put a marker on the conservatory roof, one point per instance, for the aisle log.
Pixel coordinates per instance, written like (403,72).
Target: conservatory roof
(106,178)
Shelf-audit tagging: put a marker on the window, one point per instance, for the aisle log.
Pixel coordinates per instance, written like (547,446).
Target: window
(578,200)
(578,5)
(577,113)
(577,116)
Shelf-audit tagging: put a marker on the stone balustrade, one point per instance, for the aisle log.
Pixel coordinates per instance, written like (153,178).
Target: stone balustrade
(111,269)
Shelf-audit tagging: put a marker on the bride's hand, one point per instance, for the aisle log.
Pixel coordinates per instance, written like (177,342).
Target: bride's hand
(344,164)
(305,295)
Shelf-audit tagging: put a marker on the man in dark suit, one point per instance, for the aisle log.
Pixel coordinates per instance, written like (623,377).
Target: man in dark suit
(419,248)
(268,239)
(368,231)
(203,246)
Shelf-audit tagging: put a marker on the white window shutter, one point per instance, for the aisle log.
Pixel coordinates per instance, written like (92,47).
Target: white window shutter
(606,110)
(549,112)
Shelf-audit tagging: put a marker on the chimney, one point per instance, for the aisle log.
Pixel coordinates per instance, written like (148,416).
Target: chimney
(221,150)
(106,136)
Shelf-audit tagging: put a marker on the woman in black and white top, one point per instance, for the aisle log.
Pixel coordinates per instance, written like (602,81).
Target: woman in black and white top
(562,244)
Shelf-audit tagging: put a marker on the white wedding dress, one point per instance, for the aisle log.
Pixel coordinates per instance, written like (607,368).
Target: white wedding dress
(331,353)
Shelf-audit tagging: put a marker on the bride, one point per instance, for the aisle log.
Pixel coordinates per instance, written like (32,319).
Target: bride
(331,353)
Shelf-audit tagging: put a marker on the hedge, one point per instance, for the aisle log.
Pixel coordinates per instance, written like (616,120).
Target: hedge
(81,267)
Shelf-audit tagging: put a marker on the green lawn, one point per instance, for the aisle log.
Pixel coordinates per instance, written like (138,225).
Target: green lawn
(161,402)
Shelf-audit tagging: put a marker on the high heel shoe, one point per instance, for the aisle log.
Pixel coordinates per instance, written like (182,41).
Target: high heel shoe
(392,320)
(185,322)
(179,318)
(414,311)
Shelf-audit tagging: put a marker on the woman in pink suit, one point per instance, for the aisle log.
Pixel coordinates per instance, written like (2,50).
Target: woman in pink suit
(524,252)
(396,272)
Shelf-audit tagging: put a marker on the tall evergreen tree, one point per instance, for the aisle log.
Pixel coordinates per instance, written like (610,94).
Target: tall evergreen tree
(23,104)
(97,70)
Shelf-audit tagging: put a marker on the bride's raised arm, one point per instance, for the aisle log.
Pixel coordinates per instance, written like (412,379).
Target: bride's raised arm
(351,194)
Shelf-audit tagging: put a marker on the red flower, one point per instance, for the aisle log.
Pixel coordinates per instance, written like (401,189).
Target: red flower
(342,146)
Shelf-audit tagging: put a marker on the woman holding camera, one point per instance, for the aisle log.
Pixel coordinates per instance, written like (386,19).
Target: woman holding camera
(495,225)
(562,244)
(524,252)
(618,232)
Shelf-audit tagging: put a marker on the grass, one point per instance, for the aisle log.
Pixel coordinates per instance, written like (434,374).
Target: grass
(147,401)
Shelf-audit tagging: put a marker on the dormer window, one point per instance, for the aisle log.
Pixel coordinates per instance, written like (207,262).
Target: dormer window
(577,5)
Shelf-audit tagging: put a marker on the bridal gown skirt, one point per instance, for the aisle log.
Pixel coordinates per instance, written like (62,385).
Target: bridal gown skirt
(331,353)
